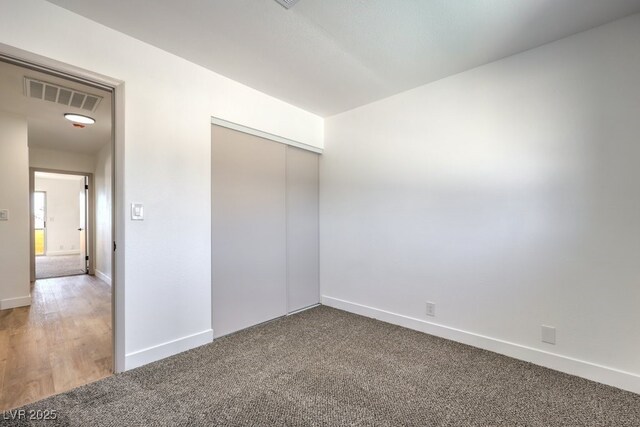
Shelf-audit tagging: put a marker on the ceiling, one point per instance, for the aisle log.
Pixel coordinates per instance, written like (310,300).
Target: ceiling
(47,127)
(328,56)
(59,176)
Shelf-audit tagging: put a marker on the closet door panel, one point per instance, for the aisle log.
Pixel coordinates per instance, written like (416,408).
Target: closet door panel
(302,229)
(249,230)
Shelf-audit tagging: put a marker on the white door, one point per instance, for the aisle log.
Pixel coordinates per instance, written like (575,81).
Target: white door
(303,275)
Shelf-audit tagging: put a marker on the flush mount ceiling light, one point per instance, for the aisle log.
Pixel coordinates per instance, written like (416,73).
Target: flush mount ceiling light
(79,118)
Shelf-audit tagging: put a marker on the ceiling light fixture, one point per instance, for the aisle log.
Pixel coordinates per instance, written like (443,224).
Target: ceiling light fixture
(79,118)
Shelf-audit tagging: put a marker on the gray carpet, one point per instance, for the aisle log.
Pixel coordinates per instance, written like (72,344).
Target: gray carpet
(59,266)
(327,367)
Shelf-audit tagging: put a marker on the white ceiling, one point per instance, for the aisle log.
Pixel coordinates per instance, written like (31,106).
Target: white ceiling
(58,176)
(47,127)
(328,56)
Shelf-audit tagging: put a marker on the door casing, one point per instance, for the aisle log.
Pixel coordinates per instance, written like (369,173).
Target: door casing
(51,66)
(89,219)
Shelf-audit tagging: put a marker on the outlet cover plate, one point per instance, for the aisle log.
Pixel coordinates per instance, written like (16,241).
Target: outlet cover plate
(431,309)
(548,334)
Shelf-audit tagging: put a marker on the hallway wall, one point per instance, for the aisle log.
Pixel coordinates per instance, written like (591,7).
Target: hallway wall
(61,160)
(14,233)
(103,205)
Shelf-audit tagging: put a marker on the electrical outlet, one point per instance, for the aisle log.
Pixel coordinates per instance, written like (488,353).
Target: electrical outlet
(431,309)
(4,215)
(548,334)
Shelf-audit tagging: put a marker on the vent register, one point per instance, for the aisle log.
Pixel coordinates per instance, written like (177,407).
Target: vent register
(60,95)
(287,4)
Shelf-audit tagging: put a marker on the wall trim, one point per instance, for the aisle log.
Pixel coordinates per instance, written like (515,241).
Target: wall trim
(103,277)
(170,348)
(282,140)
(8,303)
(591,371)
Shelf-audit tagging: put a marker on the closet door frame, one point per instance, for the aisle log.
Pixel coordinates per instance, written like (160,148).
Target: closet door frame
(266,135)
(288,144)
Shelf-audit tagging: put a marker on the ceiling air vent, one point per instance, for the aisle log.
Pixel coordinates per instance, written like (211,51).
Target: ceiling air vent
(287,4)
(60,95)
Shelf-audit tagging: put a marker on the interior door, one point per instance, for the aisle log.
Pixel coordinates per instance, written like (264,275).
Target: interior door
(82,227)
(249,269)
(303,274)
(40,222)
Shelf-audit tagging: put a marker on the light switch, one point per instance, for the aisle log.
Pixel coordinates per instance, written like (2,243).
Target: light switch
(137,211)
(4,215)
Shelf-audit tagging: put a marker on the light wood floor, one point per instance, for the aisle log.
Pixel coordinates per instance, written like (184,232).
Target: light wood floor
(61,341)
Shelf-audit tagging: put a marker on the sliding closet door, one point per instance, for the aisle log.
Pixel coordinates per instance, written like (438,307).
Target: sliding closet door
(249,229)
(302,229)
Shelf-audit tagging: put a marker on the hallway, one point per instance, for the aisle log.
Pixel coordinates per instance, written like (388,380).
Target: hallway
(63,340)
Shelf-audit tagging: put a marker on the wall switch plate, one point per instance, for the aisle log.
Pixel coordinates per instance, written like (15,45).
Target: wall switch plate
(431,309)
(137,211)
(548,334)
(4,215)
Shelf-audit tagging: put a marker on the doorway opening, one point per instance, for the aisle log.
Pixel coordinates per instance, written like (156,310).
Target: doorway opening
(61,230)
(40,223)
(58,184)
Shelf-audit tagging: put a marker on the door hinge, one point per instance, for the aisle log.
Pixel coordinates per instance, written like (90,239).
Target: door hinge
(86,186)
(114,246)
(87,257)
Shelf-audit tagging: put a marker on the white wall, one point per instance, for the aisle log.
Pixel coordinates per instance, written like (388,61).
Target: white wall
(63,214)
(103,204)
(61,160)
(14,233)
(168,103)
(509,195)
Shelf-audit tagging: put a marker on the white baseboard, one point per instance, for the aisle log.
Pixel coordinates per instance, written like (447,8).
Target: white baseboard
(8,303)
(100,275)
(161,351)
(60,253)
(591,371)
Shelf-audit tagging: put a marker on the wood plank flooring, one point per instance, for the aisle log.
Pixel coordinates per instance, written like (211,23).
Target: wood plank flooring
(63,340)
